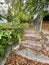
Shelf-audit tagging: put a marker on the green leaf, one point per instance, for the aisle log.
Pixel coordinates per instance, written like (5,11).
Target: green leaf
(4,41)
(2,52)
(10,43)
(1,33)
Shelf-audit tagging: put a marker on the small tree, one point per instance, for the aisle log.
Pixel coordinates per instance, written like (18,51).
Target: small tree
(25,9)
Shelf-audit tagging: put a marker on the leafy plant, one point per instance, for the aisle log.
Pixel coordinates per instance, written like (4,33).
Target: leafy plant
(8,37)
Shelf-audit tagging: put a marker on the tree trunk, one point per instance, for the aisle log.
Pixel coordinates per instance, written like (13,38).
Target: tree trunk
(41,19)
(41,26)
(38,22)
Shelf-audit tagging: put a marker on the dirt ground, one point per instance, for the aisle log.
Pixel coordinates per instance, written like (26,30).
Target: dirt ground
(45,26)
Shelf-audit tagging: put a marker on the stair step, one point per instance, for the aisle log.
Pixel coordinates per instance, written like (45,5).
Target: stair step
(33,35)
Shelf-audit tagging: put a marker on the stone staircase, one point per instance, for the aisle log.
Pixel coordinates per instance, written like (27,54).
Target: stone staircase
(31,48)
(32,37)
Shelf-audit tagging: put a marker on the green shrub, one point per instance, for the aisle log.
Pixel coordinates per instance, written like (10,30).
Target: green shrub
(8,37)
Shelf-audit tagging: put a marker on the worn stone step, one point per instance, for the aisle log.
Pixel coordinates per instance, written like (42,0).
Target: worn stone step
(32,56)
(31,38)
(31,31)
(33,35)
